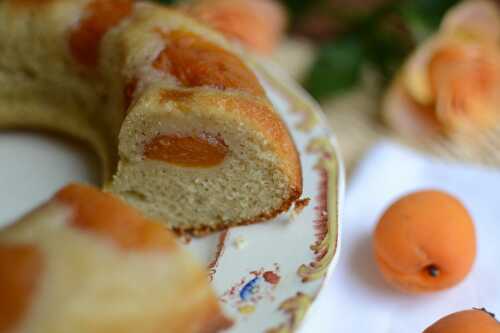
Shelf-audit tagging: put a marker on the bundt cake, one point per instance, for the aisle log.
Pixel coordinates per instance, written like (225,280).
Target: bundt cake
(87,262)
(183,126)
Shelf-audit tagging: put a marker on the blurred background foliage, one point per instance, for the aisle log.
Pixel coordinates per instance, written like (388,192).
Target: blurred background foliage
(352,34)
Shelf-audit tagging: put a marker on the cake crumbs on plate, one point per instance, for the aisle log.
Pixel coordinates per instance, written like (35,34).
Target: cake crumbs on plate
(299,207)
(240,242)
(185,239)
(246,309)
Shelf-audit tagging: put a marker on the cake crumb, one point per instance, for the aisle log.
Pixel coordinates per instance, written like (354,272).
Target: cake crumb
(185,239)
(271,277)
(301,204)
(299,207)
(240,242)
(246,309)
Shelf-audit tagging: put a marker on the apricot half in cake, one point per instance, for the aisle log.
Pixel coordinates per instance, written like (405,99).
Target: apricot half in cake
(87,262)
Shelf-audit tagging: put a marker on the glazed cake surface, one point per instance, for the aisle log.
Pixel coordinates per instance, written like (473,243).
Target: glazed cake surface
(183,127)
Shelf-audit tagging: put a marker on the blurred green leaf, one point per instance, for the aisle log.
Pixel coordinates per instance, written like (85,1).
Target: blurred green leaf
(422,17)
(387,43)
(383,39)
(336,69)
(168,2)
(297,8)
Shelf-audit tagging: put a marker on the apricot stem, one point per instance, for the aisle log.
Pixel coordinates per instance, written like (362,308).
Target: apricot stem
(484,310)
(433,270)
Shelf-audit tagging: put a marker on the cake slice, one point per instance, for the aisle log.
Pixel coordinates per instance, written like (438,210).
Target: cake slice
(181,122)
(85,262)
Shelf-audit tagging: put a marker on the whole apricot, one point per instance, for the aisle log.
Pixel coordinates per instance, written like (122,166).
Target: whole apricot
(464,80)
(257,24)
(469,321)
(424,242)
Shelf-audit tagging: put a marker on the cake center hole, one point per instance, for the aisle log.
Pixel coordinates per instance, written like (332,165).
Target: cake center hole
(35,165)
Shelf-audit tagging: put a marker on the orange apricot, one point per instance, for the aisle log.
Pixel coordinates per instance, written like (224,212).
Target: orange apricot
(424,242)
(108,217)
(257,24)
(405,114)
(469,321)
(196,62)
(21,267)
(99,17)
(465,80)
(479,20)
(202,152)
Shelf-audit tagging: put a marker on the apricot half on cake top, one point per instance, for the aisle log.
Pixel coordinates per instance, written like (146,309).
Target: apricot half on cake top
(425,242)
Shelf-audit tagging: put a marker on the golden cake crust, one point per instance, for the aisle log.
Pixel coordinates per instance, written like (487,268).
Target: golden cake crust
(258,113)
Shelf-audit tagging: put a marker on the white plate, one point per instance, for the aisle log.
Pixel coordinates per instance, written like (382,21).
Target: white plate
(267,275)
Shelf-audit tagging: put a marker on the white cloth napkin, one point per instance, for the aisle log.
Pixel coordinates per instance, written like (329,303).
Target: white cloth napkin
(355,298)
